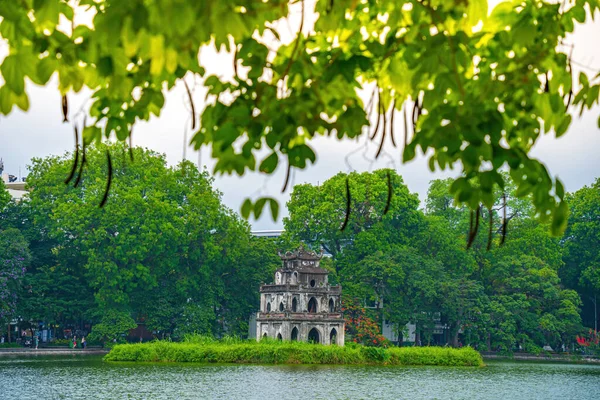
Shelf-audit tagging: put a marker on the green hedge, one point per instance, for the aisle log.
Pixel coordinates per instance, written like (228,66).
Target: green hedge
(275,352)
(9,345)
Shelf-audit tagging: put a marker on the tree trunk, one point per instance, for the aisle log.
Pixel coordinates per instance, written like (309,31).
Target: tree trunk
(417,335)
(455,329)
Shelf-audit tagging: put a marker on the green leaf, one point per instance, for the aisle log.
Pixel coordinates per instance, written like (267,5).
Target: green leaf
(476,11)
(563,126)
(269,164)
(170,60)
(45,68)
(157,53)
(6,100)
(409,152)
(13,74)
(246,208)
(583,80)
(259,206)
(47,14)
(578,12)
(560,190)
(21,101)
(91,134)
(129,38)
(274,208)
(592,95)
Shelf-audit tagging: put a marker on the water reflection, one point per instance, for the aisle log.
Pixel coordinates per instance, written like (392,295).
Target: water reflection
(89,377)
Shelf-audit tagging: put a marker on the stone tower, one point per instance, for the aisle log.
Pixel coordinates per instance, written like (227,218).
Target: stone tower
(301,304)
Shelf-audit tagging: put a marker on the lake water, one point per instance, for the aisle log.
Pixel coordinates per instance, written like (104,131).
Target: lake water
(88,377)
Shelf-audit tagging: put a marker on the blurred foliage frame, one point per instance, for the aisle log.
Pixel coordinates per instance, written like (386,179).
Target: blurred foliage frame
(480,86)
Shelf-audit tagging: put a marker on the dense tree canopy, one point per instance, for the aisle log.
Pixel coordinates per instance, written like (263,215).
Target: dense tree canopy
(163,251)
(581,269)
(14,260)
(412,267)
(476,87)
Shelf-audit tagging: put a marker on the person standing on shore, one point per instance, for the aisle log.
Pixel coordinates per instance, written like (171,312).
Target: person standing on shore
(37,341)
(83,342)
(74,342)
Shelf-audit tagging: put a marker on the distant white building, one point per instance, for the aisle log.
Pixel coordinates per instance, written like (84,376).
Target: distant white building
(15,188)
(274,233)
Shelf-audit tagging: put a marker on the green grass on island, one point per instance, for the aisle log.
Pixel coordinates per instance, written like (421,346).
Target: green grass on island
(283,352)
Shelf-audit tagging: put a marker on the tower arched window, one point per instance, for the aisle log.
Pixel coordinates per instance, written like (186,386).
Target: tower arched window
(331,305)
(294,305)
(313,305)
(268,307)
(281,306)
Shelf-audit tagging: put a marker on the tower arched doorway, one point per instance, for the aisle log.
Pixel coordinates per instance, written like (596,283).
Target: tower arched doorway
(333,336)
(294,336)
(313,336)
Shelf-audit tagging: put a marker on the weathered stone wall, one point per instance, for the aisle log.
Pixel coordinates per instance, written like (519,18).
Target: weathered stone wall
(275,327)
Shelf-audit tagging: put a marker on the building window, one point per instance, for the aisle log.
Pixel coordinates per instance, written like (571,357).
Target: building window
(312,283)
(279,336)
(281,306)
(295,334)
(331,305)
(313,305)
(268,307)
(294,305)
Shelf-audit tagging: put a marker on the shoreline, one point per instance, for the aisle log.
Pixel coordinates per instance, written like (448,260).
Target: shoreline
(26,351)
(552,358)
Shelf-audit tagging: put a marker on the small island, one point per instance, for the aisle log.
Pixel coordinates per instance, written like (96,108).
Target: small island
(199,349)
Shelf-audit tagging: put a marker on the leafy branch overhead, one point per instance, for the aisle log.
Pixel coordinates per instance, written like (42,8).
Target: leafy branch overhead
(482,86)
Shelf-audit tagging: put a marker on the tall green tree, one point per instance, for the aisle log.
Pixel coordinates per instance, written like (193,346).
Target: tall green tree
(164,250)
(318,213)
(14,260)
(581,269)
(4,195)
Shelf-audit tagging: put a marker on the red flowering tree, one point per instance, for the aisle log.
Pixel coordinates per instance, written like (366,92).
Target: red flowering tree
(360,327)
(591,343)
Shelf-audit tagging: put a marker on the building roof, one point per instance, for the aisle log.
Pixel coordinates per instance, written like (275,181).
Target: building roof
(301,254)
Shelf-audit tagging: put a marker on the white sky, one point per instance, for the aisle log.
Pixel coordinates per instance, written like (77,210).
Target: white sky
(40,132)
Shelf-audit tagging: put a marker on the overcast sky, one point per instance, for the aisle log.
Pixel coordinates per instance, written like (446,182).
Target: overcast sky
(40,132)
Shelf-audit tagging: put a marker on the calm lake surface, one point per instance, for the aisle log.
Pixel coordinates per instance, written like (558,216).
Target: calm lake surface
(88,377)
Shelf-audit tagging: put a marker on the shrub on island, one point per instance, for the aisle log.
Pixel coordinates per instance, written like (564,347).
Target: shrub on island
(229,350)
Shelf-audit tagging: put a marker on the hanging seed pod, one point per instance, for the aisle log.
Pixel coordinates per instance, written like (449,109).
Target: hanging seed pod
(389,194)
(108,180)
(348,201)
(76,160)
